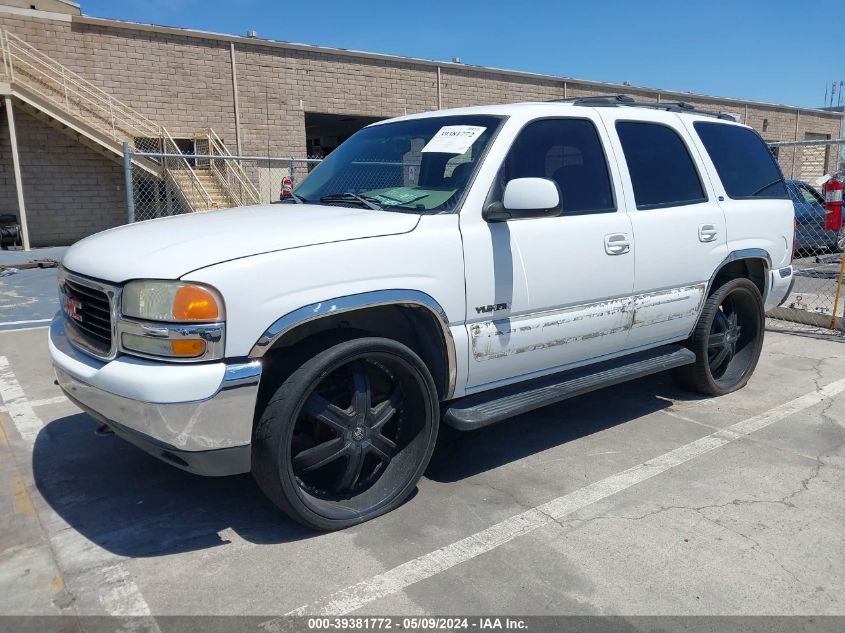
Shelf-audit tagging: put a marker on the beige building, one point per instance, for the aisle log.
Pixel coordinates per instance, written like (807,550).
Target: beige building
(76,87)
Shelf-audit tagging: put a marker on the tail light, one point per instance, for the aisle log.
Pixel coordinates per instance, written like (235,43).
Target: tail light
(794,238)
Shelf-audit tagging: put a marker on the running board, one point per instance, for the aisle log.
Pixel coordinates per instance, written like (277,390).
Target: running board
(481,409)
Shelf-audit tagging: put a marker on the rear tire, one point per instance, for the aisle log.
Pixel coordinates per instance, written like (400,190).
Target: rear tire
(348,434)
(727,340)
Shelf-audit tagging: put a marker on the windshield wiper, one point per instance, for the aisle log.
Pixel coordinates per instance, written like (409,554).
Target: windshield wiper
(350,197)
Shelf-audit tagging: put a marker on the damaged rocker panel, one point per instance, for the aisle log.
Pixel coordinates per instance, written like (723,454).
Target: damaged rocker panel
(511,336)
(668,305)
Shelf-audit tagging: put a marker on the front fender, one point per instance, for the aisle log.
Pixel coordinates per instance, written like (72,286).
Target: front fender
(262,289)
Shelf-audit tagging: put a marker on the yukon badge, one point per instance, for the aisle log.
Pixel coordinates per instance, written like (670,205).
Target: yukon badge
(491,308)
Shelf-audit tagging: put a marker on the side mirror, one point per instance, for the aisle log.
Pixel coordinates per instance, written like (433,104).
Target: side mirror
(525,198)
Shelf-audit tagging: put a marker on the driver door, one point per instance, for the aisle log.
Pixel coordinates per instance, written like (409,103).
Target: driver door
(544,294)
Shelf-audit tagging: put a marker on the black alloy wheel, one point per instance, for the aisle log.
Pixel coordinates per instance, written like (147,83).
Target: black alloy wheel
(338,450)
(724,337)
(347,436)
(727,340)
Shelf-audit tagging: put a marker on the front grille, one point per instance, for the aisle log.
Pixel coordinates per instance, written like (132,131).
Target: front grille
(88,312)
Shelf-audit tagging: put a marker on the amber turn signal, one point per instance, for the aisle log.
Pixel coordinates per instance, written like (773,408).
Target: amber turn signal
(193,303)
(188,348)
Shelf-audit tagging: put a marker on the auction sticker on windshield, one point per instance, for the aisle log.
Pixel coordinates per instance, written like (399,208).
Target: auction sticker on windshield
(454,139)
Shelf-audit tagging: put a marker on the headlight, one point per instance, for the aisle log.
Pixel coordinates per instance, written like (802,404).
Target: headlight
(171,301)
(172,320)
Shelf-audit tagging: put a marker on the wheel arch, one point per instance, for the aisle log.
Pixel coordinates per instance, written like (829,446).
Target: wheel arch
(409,316)
(751,263)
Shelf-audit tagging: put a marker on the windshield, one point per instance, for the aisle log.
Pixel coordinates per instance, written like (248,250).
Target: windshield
(421,165)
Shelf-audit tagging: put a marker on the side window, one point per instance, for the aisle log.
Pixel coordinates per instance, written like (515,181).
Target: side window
(743,161)
(662,171)
(810,197)
(567,151)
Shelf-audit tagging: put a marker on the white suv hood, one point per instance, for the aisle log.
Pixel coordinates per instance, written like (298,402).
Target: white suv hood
(168,248)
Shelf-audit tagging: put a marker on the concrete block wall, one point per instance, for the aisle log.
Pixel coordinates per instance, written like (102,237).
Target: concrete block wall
(181,82)
(8,194)
(70,191)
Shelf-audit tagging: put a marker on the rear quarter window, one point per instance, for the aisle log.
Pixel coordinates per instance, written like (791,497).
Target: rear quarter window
(743,161)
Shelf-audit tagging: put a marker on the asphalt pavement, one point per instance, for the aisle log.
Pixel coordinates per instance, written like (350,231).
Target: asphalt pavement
(640,499)
(636,500)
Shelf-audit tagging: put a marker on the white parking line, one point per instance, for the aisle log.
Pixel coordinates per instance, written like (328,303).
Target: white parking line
(118,593)
(43,402)
(27,322)
(25,329)
(16,404)
(395,580)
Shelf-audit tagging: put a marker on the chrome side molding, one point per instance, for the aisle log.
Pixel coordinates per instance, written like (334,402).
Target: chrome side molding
(413,298)
(241,375)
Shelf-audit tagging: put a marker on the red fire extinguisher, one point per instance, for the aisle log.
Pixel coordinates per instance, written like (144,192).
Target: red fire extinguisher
(287,187)
(833,204)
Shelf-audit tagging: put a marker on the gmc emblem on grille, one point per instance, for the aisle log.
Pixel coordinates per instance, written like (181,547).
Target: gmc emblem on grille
(72,307)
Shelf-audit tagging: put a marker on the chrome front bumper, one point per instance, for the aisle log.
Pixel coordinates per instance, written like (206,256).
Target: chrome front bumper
(208,433)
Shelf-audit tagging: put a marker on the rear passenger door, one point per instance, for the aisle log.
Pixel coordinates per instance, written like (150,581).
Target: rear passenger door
(677,223)
(749,186)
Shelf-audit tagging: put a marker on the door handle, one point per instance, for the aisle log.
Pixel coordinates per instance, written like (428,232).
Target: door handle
(617,243)
(707,233)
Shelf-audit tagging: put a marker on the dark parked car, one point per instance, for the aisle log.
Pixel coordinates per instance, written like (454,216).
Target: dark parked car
(809,217)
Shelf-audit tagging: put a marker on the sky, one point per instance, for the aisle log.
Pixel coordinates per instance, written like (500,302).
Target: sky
(763,50)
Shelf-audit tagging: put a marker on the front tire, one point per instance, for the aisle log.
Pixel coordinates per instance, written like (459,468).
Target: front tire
(346,436)
(727,340)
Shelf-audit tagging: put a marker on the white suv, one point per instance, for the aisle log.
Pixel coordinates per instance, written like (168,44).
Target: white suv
(460,266)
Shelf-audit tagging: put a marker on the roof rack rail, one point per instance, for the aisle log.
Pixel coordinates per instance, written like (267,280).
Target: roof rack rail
(625,100)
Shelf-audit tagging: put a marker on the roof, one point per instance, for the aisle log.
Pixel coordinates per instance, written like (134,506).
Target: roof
(549,108)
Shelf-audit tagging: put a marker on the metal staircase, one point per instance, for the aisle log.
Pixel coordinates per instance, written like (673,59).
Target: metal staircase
(49,91)
(222,174)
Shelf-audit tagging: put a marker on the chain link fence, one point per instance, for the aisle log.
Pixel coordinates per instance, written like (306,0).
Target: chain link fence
(815,302)
(162,181)
(161,184)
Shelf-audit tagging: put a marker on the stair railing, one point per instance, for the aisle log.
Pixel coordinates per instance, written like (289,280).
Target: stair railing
(28,67)
(231,173)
